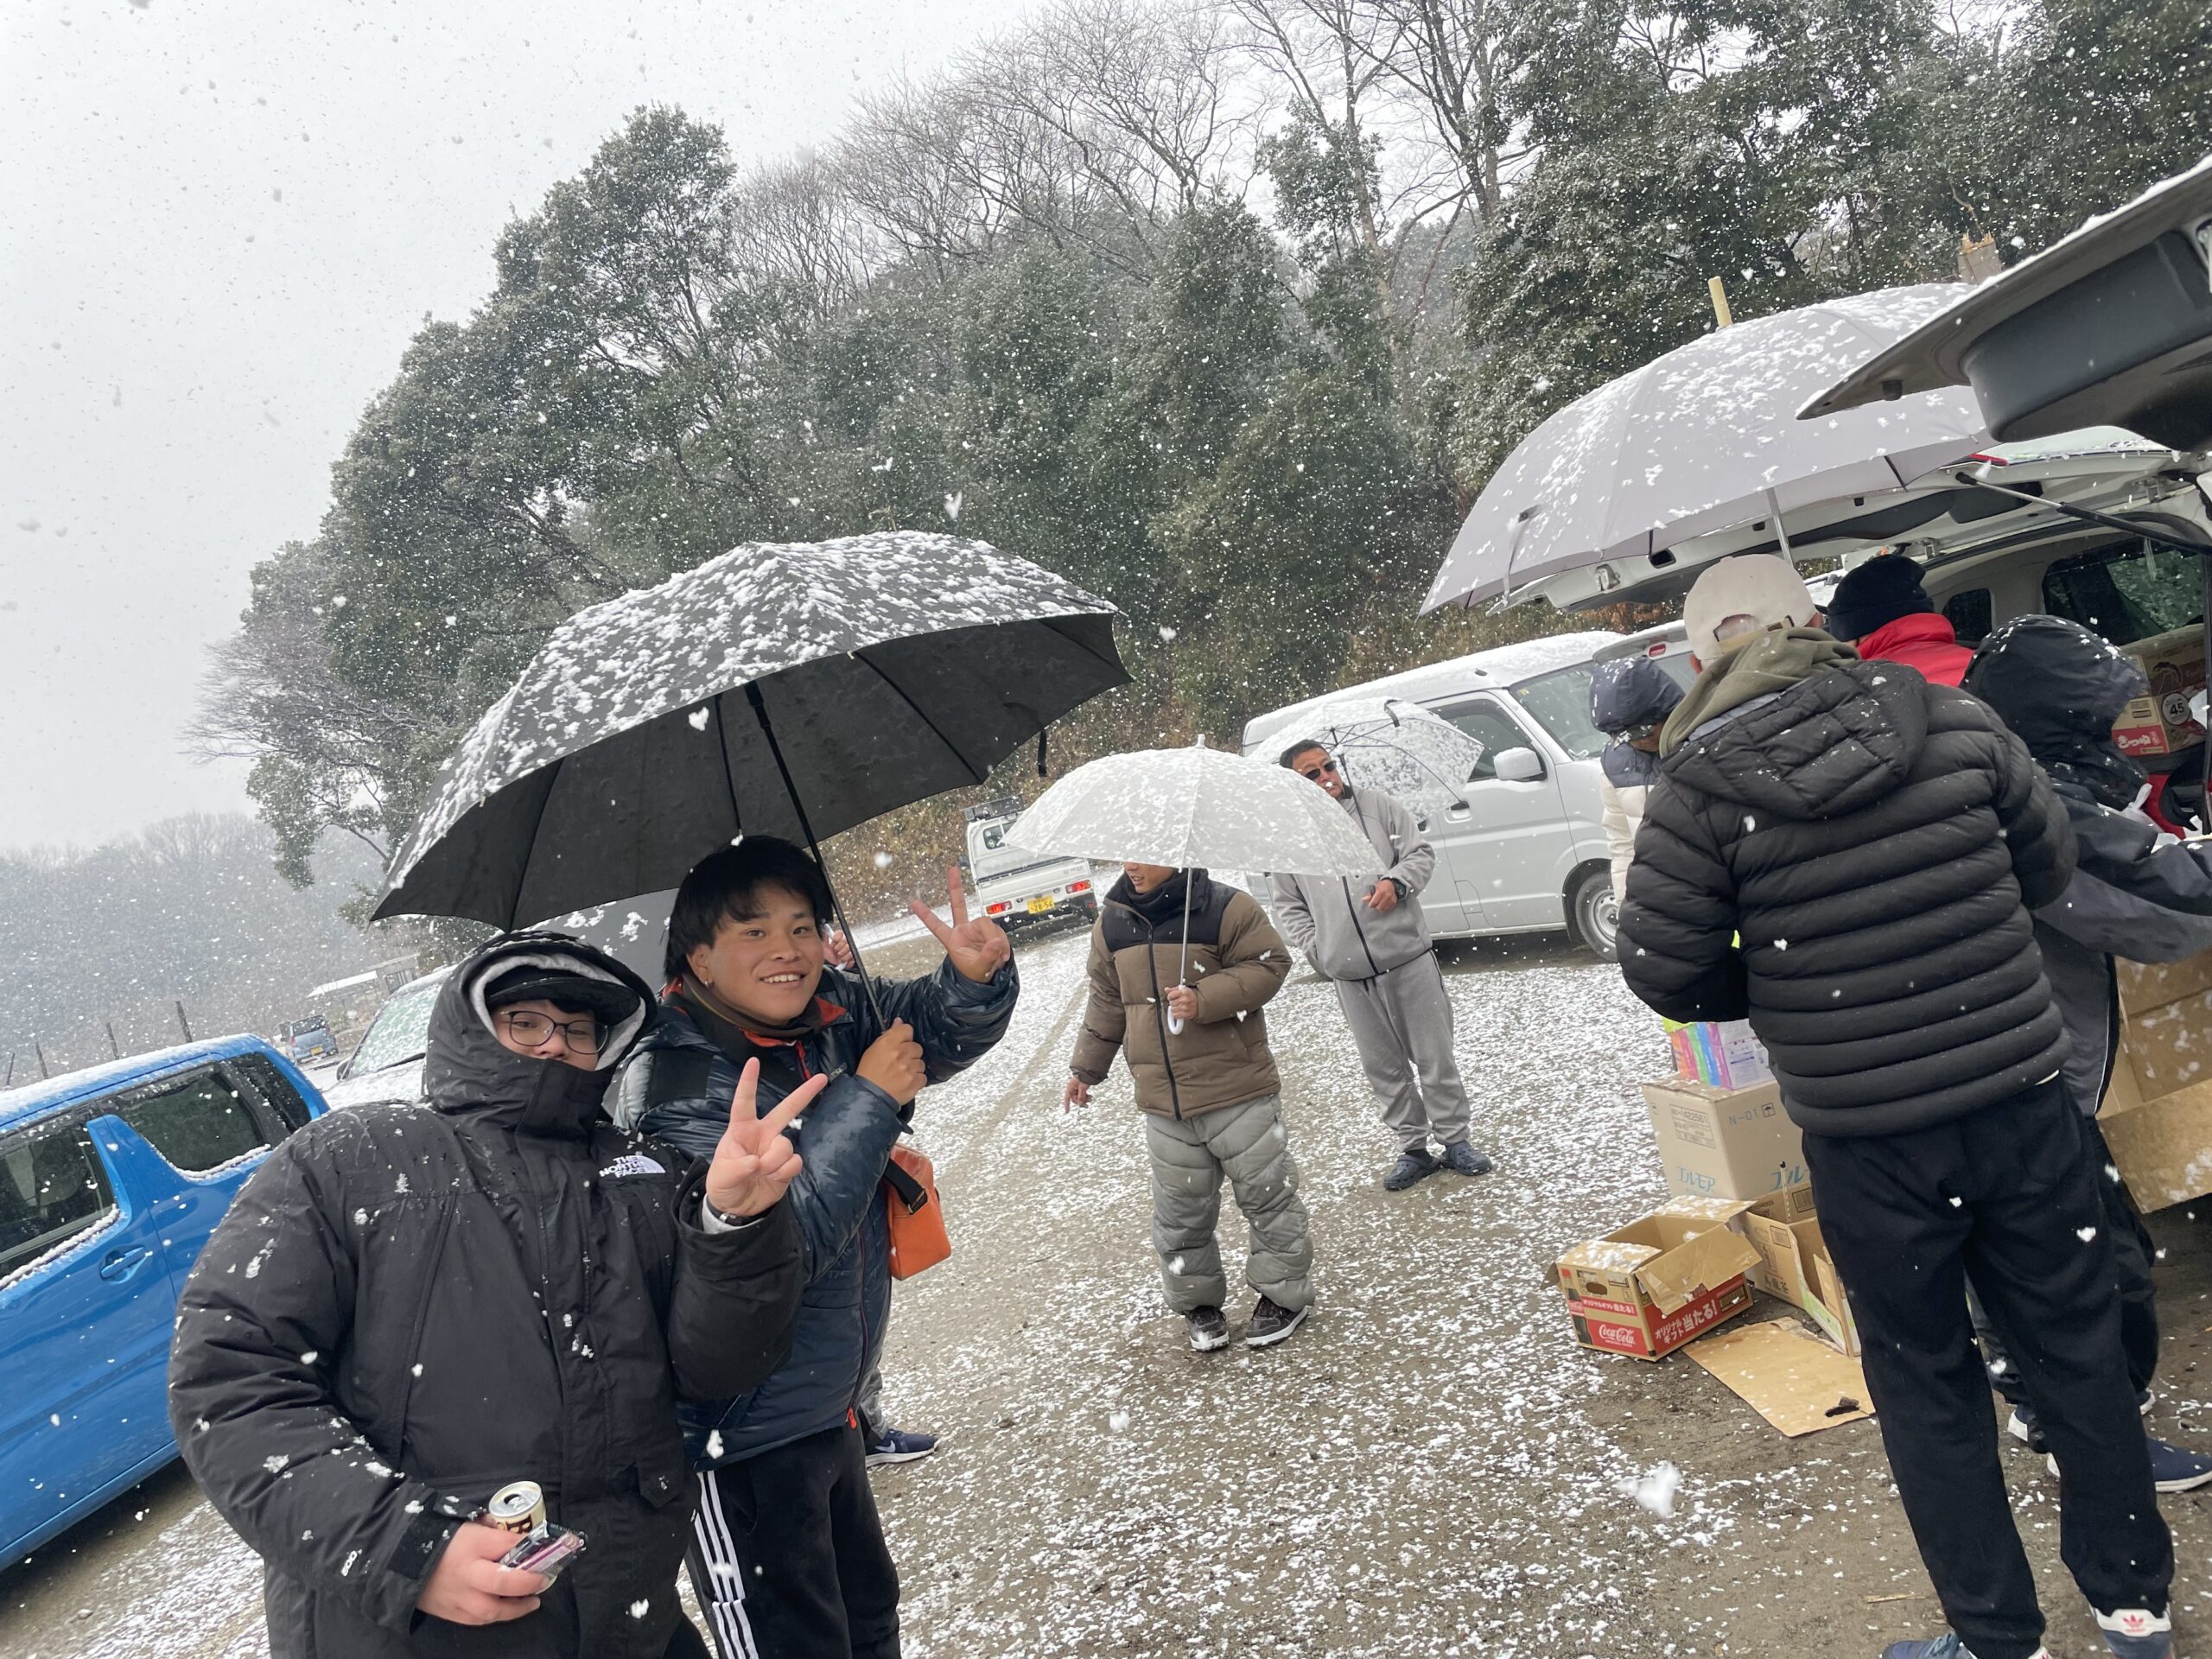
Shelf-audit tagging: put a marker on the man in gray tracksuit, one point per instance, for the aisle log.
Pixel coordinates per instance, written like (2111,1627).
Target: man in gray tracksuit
(1374,945)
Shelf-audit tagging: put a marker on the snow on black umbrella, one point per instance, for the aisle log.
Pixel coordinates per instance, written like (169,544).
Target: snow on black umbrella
(794,688)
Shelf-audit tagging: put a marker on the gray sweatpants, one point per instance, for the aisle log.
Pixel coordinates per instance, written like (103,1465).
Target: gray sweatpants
(1251,1144)
(1402,1024)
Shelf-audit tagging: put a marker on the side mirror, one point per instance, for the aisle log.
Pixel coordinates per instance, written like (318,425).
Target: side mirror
(1520,766)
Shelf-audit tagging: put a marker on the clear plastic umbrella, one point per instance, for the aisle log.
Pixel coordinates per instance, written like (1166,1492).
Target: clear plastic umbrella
(1194,807)
(1397,749)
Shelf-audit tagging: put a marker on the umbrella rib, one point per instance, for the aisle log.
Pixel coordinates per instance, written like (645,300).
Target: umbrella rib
(553,777)
(952,749)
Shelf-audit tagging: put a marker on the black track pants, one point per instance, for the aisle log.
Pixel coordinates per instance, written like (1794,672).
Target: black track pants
(2004,1197)
(787,1555)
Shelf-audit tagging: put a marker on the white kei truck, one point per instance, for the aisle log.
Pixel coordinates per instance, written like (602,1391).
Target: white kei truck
(1018,890)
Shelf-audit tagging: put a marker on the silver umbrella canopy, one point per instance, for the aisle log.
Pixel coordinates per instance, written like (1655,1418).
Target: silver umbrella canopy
(790,688)
(1703,438)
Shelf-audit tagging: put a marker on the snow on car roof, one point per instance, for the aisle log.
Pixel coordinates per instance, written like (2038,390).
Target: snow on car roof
(1501,665)
(30,1102)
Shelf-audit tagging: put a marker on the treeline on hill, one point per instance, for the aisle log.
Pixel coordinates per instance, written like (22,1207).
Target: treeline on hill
(190,911)
(1224,310)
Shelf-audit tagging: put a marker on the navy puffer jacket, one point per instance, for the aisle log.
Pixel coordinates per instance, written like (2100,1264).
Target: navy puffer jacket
(678,1089)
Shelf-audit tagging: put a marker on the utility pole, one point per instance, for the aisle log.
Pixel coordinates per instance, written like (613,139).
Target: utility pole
(184,1022)
(114,1047)
(41,1052)
(8,1080)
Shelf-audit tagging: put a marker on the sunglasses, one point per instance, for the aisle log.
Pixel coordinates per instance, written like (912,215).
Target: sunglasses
(583,1036)
(1314,776)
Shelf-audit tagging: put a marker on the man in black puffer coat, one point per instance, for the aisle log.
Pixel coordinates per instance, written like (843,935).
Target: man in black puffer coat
(2136,893)
(410,1307)
(1847,856)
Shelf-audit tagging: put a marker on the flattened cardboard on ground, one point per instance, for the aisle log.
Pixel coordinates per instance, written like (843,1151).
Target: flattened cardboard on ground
(1794,1380)
(1647,1288)
(1725,1143)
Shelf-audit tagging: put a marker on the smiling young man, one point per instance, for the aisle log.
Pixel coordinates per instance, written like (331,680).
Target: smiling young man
(789,1558)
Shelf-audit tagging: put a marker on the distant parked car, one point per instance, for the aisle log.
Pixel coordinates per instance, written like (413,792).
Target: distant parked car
(110,1181)
(387,1066)
(1524,851)
(307,1040)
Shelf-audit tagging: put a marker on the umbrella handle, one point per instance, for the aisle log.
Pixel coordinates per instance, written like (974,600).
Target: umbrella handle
(837,905)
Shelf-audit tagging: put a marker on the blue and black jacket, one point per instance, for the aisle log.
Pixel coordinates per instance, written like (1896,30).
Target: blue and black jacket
(678,1089)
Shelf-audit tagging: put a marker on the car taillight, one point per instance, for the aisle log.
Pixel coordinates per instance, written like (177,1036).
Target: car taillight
(1078,886)
(1657,648)
(997,910)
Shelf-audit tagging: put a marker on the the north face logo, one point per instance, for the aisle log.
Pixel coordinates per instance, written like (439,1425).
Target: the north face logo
(633,1163)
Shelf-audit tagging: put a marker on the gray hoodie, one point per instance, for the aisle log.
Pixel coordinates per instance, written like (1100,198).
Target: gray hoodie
(1328,920)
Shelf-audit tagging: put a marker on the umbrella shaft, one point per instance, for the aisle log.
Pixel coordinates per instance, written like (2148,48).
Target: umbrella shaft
(798,806)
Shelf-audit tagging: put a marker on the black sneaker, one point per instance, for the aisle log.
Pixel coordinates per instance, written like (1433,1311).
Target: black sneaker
(1414,1164)
(1209,1330)
(1271,1323)
(1461,1158)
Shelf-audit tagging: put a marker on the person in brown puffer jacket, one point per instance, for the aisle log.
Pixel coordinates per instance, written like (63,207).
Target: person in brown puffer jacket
(1180,970)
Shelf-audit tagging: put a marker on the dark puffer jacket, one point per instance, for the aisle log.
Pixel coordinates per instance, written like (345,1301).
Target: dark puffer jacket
(1235,961)
(409,1307)
(2060,687)
(678,1088)
(1877,843)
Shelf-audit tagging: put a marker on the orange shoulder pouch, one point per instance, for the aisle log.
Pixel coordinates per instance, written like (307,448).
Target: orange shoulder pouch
(917,1236)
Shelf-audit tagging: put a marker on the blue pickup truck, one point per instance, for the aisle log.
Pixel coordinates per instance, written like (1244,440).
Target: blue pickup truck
(110,1181)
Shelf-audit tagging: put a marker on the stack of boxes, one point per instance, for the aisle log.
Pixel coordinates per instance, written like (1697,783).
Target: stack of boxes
(1741,1213)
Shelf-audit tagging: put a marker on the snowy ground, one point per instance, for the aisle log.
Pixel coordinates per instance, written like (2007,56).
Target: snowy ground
(1428,1468)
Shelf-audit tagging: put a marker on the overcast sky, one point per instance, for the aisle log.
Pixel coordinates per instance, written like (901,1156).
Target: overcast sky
(222,221)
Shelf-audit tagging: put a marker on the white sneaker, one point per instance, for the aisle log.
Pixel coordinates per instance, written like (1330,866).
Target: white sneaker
(2137,1633)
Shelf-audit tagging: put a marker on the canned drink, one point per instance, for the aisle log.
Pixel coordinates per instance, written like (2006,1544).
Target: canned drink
(520,1506)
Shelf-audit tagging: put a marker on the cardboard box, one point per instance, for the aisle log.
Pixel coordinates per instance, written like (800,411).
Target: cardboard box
(2147,985)
(1777,1272)
(1648,1288)
(1725,1143)
(1794,1266)
(2161,1141)
(1724,1054)
(2158,722)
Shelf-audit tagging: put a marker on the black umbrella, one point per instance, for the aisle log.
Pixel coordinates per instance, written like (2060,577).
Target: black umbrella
(792,690)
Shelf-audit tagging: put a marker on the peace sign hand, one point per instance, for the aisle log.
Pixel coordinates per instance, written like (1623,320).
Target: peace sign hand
(755,1162)
(977,948)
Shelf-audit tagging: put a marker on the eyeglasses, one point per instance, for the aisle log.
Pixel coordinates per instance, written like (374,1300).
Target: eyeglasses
(1314,776)
(531,1029)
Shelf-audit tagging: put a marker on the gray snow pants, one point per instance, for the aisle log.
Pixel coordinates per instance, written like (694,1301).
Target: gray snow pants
(1251,1144)
(1402,1024)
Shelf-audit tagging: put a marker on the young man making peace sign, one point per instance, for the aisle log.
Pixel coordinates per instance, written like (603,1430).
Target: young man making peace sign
(789,1558)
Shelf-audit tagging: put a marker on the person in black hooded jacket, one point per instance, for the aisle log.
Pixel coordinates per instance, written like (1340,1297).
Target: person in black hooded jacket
(1847,856)
(408,1307)
(2136,893)
(1630,700)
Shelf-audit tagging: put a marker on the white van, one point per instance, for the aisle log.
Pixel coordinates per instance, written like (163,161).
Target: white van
(1525,850)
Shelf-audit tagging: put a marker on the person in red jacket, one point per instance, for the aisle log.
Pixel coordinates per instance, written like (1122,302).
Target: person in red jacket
(1882,609)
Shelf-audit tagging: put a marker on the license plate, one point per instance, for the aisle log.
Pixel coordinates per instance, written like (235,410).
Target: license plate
(1038,906)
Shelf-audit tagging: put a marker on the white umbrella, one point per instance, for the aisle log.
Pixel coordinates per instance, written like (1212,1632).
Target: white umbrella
(1396,748)
(1194,807)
